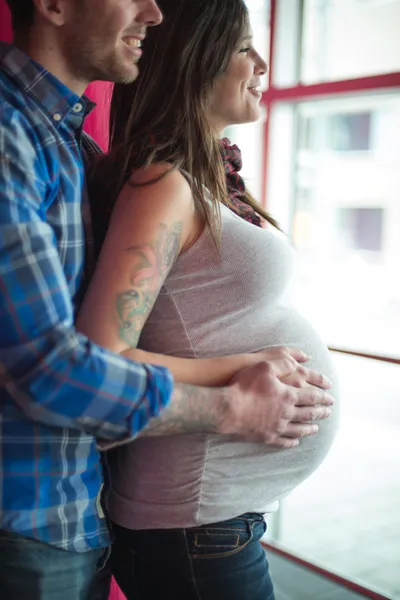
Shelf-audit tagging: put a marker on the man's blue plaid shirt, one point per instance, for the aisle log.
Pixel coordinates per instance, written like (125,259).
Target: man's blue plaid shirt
(58,391)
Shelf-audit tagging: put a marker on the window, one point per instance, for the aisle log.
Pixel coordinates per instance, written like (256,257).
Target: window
(362,228)
(343,213)
(350,133)
(343,132)
(346,517)
(349,38)
(327,161)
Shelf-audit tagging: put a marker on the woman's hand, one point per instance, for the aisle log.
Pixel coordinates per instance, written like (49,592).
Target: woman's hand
(288,360)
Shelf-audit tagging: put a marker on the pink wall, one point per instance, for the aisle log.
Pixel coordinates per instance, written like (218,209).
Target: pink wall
(5,23)
(97,122)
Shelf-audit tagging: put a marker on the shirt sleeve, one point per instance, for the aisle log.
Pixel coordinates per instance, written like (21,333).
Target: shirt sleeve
(55,375)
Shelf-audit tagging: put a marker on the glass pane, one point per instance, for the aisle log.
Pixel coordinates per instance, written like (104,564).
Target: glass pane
(349,38)
(346,221)
(287,43)
(259,18)
(346,517)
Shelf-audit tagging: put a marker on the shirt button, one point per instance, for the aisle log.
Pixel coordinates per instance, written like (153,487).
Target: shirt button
(57,117)
(77,108)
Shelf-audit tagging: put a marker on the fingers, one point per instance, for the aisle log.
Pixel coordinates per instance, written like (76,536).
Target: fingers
(277,352)
(282,367)
(282,414)
(311,397)
(313,378)
(285,443)
(307,414)
(292,433)
(300,430)
(297,354)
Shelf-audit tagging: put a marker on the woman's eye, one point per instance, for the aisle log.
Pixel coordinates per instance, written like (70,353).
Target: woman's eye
(245,50)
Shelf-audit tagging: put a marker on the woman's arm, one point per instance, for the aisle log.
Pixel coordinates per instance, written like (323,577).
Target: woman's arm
(218,371)
(150,225)
(209,372)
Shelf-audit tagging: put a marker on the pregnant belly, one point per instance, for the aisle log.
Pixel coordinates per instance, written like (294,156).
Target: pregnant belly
(281,326)
(264,474)
(212,478)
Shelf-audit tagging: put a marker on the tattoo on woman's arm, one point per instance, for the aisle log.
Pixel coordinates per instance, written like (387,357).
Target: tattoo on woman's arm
(151,264)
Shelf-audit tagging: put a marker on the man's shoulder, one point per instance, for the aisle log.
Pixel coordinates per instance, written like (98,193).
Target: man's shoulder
(12,101)
(18,116)
(26,146)
(19,136)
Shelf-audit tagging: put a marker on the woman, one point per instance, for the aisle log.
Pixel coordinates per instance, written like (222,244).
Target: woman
(187,277)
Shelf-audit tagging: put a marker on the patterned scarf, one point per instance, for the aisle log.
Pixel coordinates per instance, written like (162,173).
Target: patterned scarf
(232,159)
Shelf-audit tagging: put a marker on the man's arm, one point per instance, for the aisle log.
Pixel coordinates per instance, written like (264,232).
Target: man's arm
(53,374)
(256,406)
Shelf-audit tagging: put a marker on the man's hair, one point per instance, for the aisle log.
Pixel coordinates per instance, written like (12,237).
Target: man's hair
(22,14)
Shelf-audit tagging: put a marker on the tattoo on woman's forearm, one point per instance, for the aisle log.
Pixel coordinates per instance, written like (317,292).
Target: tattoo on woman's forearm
(150,265)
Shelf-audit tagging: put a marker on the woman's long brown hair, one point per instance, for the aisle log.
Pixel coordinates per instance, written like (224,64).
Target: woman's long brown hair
(162,116)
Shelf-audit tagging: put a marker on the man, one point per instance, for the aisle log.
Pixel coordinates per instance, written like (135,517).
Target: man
(60,392)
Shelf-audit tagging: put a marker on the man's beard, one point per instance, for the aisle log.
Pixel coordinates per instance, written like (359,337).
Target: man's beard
(88,62)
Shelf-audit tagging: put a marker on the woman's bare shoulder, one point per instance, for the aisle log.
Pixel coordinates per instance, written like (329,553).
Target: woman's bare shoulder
(163,173)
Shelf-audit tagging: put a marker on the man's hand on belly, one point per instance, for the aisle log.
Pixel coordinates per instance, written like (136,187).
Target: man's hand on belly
(269,408)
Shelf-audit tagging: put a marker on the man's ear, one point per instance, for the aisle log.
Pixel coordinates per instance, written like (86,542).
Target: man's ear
(55,12)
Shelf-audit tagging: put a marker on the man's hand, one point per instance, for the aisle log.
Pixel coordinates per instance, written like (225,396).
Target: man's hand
(266,402)
(265,409)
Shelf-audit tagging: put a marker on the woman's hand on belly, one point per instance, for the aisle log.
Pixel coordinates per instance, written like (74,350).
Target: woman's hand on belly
(287,364)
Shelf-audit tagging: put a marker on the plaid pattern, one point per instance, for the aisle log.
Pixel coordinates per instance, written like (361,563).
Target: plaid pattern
(58,391)
(232,159)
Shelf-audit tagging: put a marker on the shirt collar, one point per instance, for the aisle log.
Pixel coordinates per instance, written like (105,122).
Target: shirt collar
(55,97)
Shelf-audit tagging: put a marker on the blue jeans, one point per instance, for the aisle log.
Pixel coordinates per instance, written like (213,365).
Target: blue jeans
(31,570)
(222,561)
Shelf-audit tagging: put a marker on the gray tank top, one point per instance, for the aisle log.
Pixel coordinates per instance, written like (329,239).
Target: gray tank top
(213,305)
